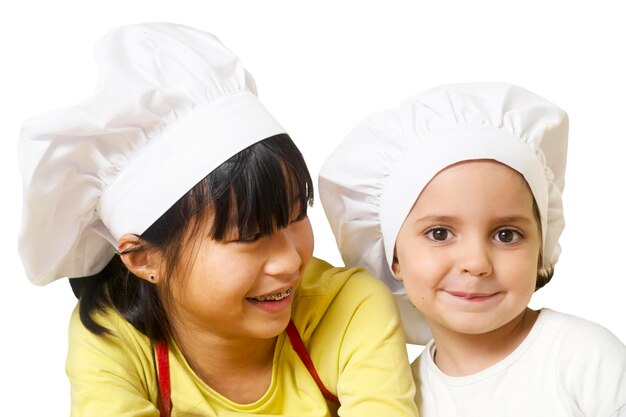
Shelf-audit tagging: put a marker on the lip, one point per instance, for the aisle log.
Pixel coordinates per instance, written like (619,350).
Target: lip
(273,306)
(473,297)
(274,292)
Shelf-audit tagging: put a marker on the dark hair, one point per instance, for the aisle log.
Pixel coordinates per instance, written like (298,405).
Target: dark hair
(255,191)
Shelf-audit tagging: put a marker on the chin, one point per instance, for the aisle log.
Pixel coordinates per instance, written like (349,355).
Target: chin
(271,328)
(472,325)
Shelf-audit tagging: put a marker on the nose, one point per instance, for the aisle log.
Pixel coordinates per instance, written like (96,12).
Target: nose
(475,258)
(284,259)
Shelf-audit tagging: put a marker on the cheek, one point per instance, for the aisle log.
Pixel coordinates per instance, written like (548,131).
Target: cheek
(205,281)
(414,257)
(521,273)
(304,241)
(420,283)
(421,270)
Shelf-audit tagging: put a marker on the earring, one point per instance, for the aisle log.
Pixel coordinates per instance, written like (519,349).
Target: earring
(151,277)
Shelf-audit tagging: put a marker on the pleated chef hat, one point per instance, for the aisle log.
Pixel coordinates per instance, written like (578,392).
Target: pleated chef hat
(172,104)
(371,181)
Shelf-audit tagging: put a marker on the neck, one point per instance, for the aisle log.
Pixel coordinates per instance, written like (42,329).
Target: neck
(238,368)
(461,354)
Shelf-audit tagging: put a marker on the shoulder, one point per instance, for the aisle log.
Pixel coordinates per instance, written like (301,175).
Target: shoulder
(125,349)
(579,342)
(338,298)
(119,328)
(589,360)
(325,288)
(117,366)
(588,334)
(350,325)
(322,279)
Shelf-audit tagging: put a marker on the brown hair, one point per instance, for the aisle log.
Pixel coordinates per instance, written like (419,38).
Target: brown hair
(544,272)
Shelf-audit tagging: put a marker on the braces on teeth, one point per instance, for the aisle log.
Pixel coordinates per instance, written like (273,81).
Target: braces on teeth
(274,297)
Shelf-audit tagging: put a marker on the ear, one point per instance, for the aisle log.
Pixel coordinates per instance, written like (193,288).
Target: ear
(139,258)
(395,267)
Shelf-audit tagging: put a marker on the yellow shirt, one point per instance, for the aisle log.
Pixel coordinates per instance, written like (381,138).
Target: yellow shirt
(348,322)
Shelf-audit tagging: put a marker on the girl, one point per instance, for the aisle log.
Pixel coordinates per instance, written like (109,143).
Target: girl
(184,204)
(457,195)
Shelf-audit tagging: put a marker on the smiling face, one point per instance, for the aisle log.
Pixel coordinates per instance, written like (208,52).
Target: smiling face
(243,286)
(468,250)
(230,254)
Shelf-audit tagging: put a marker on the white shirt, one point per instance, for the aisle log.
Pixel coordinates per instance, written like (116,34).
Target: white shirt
(566,366)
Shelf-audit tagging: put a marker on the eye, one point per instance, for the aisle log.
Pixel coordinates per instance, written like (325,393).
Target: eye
(249,238)
(299,217)
(298,213)
(508,236)
(438,234)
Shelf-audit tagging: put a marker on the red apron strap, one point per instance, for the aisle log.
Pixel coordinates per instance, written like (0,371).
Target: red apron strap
(298,346)
(163,369)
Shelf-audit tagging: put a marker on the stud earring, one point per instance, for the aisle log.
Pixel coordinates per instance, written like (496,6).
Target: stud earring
(151,277)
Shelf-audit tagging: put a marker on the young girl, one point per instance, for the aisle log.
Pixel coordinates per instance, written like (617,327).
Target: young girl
(184,204)
(457,195)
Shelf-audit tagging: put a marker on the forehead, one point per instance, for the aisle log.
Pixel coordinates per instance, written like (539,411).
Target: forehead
(476,183)
(480,168)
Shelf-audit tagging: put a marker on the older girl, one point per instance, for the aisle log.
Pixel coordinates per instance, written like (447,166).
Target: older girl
(184,204)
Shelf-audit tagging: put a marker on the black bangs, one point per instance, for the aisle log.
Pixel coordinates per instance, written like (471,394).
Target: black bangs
(260,189)
(257,191)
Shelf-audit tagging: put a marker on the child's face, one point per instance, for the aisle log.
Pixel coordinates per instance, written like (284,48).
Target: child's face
(468,250)
(243,288)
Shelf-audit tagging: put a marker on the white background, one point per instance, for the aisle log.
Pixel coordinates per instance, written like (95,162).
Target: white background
(321,66)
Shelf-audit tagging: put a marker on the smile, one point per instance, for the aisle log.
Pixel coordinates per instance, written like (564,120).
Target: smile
(273,297)
(472,296)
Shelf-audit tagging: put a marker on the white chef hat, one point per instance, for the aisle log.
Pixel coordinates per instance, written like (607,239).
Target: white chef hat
(172,104)
(371,181)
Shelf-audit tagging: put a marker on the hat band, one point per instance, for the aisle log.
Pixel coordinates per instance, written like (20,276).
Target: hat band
(461,143)
(180,157)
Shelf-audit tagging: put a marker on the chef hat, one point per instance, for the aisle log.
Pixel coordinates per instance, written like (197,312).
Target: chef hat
(172,104)
(372,180)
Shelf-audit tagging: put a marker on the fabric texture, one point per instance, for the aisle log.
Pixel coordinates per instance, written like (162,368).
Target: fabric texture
(346,318)
(171,105)
(565,367)
(371,181)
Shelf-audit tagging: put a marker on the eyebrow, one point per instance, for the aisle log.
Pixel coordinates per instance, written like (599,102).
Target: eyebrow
(515,219)
(435,218)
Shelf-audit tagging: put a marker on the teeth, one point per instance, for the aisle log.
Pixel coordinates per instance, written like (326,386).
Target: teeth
(274,297)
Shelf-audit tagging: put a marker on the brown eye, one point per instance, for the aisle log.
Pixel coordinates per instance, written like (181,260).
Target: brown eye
(507,236)
(249,238)
(438,234)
